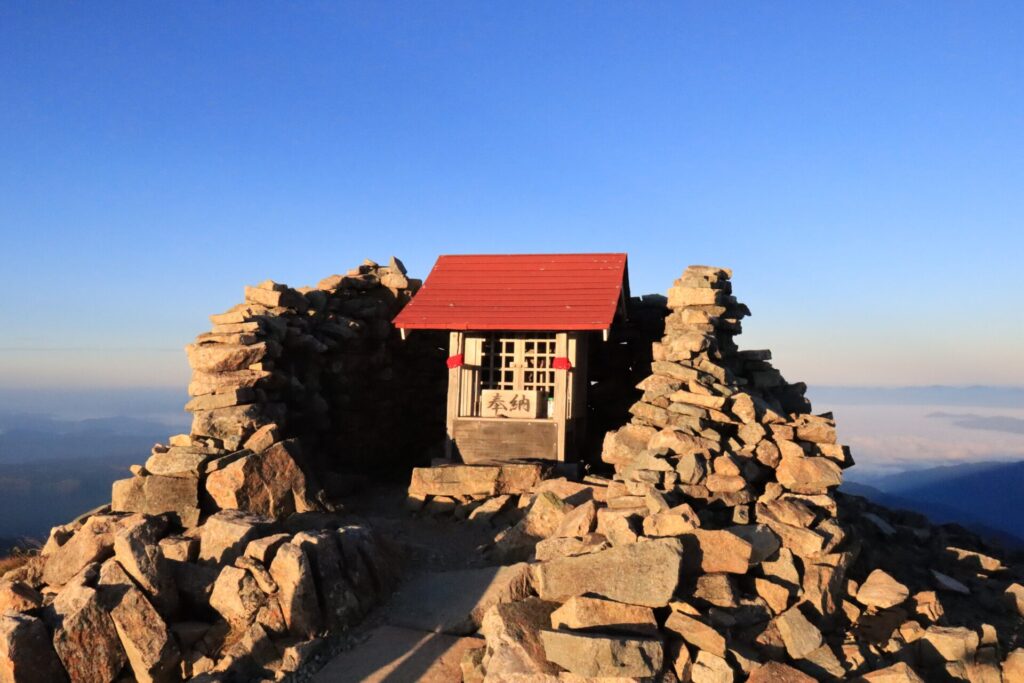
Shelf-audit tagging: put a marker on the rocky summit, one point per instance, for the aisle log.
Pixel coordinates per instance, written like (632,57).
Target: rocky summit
(709,544)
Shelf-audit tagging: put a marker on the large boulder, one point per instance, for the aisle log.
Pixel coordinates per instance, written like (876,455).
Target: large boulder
(237,597)
(594,655)
(177,462)
(714,551)
(582,613)
(1013,667)
(579,522)
(542,519)
(623,446)
(357,547)
(477,480)
(137,549)
(226,534)
(949,644)
(16,596)
(361,546)
(710,668)
(268,483)
(640,574)
(517,478)
(696,632)
(26,652)
(224,399)
(94,542)
(763,541)
(808,475)
(149,645)
(800,636)
(882,591)
(296,590)
(790,525)
(234,424)
(455,480)
(672,522)
(209,382)
(176,496)
(512,630)
(338,600)
(212,358)
(1013,596)
(263,548)
(84,637)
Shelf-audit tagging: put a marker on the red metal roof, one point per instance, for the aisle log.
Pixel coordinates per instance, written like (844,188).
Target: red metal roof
(519,292)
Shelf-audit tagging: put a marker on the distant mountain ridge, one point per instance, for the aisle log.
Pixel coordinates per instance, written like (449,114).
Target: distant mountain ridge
(974,395)
(52,470)
(32,438)
(34,497)
(982,496)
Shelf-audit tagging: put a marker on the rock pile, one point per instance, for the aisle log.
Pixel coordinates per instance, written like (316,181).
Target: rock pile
(120,596)
(720,550)
(222,557)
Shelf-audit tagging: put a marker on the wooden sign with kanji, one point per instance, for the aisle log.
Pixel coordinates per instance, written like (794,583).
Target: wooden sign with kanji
(508,403)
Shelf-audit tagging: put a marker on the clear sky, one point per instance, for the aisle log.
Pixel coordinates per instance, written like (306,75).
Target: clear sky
(860,165)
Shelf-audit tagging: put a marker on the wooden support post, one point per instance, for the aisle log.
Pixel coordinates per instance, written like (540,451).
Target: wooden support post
(561,377)
(472,347)
(455,347)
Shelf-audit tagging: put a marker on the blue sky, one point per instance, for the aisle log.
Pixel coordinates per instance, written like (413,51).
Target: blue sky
(859,165)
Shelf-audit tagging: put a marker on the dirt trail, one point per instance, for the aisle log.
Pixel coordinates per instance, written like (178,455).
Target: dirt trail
(443,575)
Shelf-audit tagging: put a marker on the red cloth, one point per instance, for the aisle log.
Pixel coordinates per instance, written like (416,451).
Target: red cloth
(455,361)
(561,363)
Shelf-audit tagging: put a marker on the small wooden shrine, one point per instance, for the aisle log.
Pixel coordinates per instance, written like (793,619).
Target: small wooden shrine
(520,326)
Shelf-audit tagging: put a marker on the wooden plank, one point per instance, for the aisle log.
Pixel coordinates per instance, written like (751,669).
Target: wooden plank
(455,347)
(498,439)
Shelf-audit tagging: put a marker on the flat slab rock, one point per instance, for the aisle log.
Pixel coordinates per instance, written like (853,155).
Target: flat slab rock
(400,654)
(603,656)
(882,591)
(643,574)
(454,602)
(476,480)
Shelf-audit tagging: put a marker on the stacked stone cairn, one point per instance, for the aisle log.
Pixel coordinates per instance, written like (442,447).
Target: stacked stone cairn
(221,558)
(721,551)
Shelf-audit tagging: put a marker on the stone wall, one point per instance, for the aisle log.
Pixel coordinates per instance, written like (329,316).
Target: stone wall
(294,391)
(324,364)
